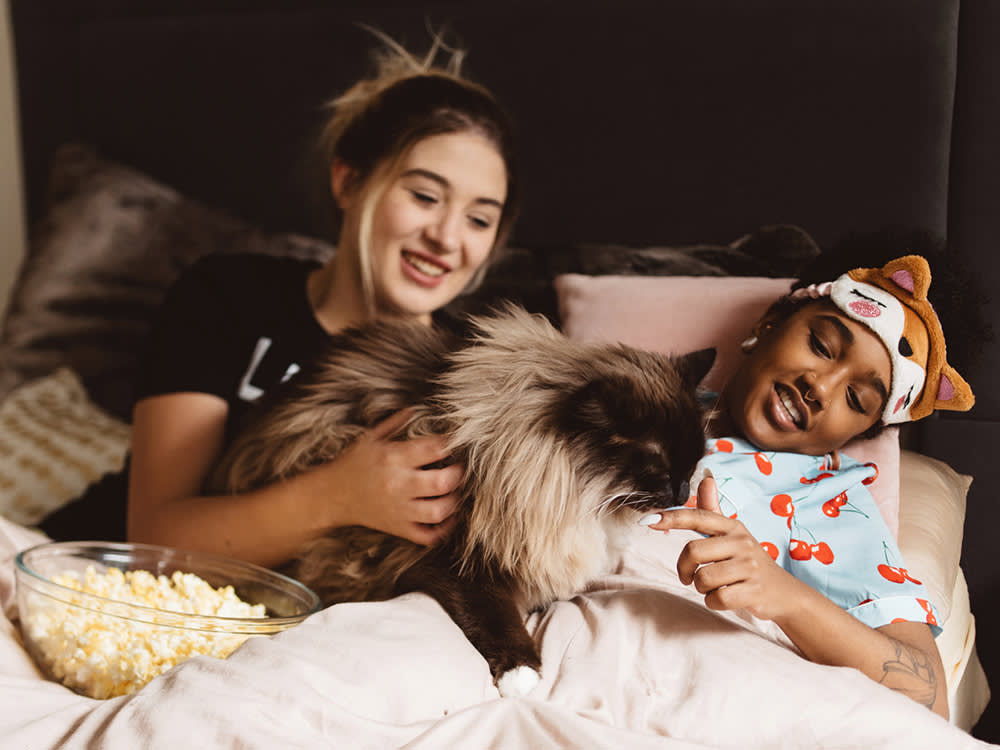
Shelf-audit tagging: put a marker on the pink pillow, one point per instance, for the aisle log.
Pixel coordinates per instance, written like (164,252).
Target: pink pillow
(679,314)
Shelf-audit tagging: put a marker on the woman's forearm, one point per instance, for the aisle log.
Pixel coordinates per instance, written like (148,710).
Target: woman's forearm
(376,482)
(267,526)
(901,656)
(176,440)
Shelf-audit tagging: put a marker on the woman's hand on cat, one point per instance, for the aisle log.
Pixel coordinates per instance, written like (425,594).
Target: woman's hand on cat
(382,483)
(728,566)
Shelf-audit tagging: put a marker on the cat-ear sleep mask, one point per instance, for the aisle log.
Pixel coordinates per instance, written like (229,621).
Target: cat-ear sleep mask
(891,301)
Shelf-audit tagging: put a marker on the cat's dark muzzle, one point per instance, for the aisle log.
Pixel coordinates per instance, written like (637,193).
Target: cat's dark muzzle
(663,497)
(676,494)
(682,492)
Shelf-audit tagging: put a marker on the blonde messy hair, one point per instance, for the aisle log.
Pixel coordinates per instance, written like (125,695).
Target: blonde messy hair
(374,124)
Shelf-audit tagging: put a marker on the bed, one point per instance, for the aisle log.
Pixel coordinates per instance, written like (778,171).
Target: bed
(673,151)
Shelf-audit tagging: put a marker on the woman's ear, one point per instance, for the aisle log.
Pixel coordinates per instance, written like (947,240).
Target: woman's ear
(342,179)
(764,325)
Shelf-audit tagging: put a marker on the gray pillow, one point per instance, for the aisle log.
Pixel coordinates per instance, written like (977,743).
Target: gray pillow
(111,242)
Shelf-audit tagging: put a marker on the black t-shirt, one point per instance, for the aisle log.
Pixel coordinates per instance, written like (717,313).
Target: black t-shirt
(233,326)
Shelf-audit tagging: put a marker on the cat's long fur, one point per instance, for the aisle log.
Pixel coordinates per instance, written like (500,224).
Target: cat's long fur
(564,444)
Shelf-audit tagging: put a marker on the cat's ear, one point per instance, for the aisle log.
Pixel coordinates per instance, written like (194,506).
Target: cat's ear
(695,366)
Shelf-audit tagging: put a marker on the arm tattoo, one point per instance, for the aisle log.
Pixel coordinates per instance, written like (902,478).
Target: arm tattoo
(910,673)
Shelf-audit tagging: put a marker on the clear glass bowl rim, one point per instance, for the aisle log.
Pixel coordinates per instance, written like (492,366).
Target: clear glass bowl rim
(150,615)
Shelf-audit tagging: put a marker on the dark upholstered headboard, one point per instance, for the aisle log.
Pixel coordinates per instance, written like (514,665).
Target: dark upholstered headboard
(642,122)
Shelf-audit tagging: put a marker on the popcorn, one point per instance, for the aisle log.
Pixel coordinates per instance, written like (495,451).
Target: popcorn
(95,651)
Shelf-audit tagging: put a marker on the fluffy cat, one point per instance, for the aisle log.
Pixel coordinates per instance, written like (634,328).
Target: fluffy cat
(565,446)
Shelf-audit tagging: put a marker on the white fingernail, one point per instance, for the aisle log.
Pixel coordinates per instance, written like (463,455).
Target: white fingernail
(650,519)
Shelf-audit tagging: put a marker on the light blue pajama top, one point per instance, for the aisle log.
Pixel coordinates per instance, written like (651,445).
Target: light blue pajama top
(822,526)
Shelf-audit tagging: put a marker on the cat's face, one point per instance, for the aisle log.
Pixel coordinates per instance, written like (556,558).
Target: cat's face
(638,429)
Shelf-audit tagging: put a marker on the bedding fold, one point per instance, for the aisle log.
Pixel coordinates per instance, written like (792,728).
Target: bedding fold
(636,661)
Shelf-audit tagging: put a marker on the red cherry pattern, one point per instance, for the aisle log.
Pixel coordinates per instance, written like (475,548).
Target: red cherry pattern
(896,574)
(799,549)
(764,464)
(891,573)
(869,480)
(926,606)
(822,552)
(832,506)
(781,505)
(818,478)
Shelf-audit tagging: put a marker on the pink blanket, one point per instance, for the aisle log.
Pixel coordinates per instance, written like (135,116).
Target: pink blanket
(635,662)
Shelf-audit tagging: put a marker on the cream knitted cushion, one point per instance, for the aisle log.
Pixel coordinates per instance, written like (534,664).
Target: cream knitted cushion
(54,442)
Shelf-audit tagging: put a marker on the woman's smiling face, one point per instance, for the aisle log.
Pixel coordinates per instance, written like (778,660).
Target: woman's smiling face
(437,222)
(814,381)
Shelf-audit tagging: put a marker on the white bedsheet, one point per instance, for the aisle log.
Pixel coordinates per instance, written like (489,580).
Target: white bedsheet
(636,662)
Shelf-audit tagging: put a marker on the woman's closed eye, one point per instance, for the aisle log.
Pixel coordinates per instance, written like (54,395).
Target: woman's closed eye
(818,346)
(854,401)
(422,196)
(480,222)
(429,199)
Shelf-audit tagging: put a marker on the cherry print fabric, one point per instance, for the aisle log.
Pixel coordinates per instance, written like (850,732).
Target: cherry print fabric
(822,526)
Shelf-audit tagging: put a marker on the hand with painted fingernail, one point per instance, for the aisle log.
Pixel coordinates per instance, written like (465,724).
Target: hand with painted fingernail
(728,565)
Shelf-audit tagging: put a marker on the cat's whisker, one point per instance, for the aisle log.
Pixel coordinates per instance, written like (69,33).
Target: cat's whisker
(622,499)
(638,498)
(605,505)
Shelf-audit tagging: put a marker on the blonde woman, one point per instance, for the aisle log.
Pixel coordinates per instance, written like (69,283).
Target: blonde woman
(420,165)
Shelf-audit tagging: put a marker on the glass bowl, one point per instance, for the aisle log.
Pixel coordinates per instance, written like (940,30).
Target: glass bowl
(102,647)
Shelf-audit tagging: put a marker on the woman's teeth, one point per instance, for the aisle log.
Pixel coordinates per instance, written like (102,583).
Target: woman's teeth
(789,404)
(423,265)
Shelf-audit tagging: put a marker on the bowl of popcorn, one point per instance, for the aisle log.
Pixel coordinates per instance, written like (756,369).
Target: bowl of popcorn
(105,618)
